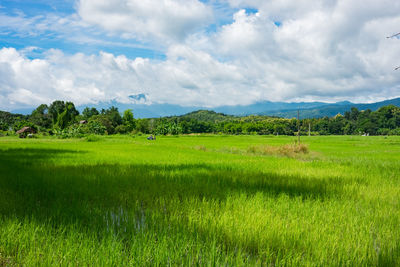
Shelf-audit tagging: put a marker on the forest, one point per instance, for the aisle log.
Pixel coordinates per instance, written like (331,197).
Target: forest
(63,120)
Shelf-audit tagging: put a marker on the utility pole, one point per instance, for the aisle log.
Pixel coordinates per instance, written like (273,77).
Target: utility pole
(309,128)
(298,126)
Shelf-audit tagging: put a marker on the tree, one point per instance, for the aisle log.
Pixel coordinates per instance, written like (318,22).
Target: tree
(143,125)
(349,127)
(322,126)
(96,127)
(336,125)
(388,117)
(62,113)
(67,115)
(56,108)
(114,116)
(23,123)
(128,120)
(89,112)
(352,115)
(41,117)
(104,121)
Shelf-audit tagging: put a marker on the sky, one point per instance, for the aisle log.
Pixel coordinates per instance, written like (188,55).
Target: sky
(197,53)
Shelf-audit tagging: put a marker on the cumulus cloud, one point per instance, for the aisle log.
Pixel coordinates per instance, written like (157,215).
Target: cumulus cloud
(331,50)
(188,77)
(327,50)
(168,20)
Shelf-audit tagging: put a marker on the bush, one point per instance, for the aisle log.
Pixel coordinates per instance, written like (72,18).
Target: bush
(95,127)
(92,138)
(100,124)
(384,131)
(73,131)
(395,131)
(121,129)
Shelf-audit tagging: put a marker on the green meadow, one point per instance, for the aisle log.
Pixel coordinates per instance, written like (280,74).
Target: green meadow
(200,200)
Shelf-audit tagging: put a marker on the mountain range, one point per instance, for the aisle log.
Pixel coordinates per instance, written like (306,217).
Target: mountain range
(279,109)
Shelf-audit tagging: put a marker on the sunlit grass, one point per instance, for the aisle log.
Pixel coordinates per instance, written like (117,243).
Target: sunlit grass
(191,201)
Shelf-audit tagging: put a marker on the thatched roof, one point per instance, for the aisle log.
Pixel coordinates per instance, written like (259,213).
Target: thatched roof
(26,130)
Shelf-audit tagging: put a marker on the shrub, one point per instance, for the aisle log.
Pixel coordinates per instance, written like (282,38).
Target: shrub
(383,131)
(73,131)
(121,129)
(395,131)
(95,127)
(92,138)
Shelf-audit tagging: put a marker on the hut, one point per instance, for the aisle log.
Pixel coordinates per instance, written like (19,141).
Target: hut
(24,131)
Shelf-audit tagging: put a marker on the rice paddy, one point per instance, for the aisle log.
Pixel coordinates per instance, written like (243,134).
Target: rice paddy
(200,200)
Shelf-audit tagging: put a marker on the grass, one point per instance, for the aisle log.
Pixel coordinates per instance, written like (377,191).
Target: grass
(200,200)
(289,150)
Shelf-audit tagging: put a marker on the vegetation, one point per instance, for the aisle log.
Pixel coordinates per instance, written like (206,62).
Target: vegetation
(62,119)
(200,200)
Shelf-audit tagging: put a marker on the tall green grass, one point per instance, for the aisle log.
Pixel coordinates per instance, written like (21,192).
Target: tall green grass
(191,201)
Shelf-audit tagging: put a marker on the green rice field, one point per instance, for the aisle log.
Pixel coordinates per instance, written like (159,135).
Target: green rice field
(200,201)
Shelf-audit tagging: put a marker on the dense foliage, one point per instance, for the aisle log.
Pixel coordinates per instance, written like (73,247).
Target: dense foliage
(62,118)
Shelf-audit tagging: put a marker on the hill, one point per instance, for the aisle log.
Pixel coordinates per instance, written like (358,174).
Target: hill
(330,110)
(207,116)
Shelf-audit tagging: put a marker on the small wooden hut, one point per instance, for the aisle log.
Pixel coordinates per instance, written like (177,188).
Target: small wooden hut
(24,131)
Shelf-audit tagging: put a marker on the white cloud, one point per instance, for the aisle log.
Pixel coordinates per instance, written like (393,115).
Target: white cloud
(46,24)
(187,77)
(168,20)
(330,50)
(327,50)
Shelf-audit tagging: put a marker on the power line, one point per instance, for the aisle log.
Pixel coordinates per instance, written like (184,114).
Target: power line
(394,35)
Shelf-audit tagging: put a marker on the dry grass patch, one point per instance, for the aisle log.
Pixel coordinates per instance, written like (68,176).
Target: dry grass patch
(300,151)
(202,148)
(5,261)
(290,150)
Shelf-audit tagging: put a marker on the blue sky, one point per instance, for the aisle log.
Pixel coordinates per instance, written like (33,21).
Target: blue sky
(47,39)
(191,52)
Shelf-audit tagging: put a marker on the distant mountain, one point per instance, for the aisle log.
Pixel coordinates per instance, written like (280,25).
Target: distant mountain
(162,110)
(281,109)
(266,106)
(330,110)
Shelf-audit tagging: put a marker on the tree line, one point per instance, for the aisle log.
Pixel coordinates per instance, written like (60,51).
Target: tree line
(64,120)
